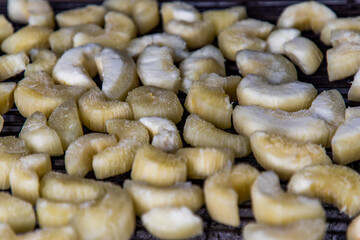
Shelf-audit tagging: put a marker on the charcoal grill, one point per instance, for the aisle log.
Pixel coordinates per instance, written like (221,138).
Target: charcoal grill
(267,10)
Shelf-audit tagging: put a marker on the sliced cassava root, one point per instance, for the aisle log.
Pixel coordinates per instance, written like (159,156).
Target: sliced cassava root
(107,210)
(291,96)
(172,223)
(225,189)
(180,194)
(331,183)
(39,92)
(39,137)
(285,156)
(12,64)
(200,133)
(271,205)
(26,174)
(146,101)
(156,167)
(313,229)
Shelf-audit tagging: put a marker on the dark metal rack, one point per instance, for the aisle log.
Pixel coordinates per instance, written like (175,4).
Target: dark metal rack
(267,10)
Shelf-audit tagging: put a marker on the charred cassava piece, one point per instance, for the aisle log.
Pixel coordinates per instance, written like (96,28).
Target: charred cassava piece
(168,100)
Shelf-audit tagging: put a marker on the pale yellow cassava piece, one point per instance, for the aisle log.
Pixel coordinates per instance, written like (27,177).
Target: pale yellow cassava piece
(210,104)
(155,67)
(6,96)
(271,205)
(200,133)
(289,96)
(344,144)
(147,101)
(349,23)
(274,67)
(172,223)
(227,188)
(304,53)
(11,149)
(156,167)
(204,162)
(311,229)
(223,18)
(38,92)
(181,194)
(27,38)
(285,156)
(79,155)
(39,137)
(88,14)
(12,64)
(95,108)
(117,72)
(333,184)
(308,15)
(26,174)
(246,34)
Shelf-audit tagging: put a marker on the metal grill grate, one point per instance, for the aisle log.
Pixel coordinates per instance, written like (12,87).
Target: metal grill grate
(263,10)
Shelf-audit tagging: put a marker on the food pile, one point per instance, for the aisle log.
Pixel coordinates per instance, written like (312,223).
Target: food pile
(100,90)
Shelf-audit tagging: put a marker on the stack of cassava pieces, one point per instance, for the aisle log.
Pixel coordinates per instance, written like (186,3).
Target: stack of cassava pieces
(132,115)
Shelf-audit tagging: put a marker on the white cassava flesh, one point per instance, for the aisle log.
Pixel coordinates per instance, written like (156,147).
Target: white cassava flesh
(309,15)
(349,23)
(245,34)
(271,205)
(275,67)
(180,194)
(196,34)
(77,66)
(12,64)
(179,11)
(344,144)
(208,59)
(164,133)
(283,155)
(280,36)
(335,184)
(39,137)
(176,43)
(155,67)
(316,124)
(311,229)
(291,96)
(224,190)
(172,223)
(304,53)
(210,104)
(117,72)
(343,61)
